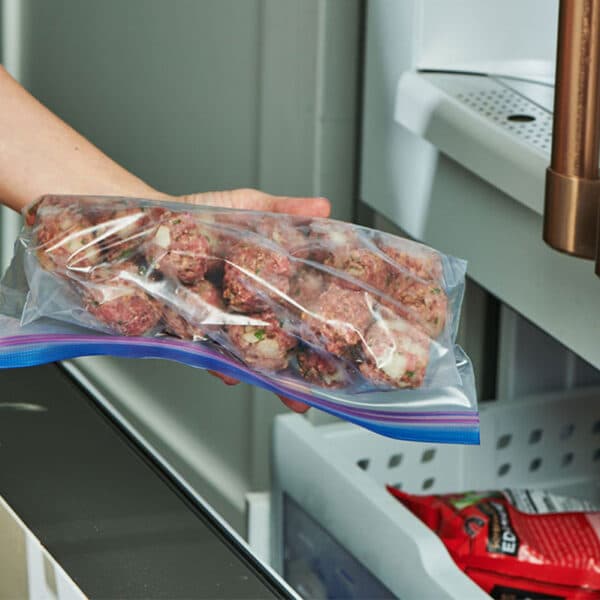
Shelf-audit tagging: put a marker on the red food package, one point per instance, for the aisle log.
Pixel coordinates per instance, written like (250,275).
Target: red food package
(517,544)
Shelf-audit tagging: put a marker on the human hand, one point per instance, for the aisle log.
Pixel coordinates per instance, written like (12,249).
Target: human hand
(249,199)
(294,405)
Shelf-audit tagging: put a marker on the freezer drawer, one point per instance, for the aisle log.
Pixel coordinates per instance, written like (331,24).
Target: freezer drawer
(334,476)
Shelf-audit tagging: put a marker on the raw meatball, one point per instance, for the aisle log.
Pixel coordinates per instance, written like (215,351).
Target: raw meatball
(102,209)
(363,264)
(424,302)
(65,240)
(327,238)
(219,240)
(197,303)
(323,370)
(414,260)
(306,286)
(339,318)
(396,354)
(247,267)
(115,298)
(239,220)
(283,233)
(262,346)
(122,230)
(179,249)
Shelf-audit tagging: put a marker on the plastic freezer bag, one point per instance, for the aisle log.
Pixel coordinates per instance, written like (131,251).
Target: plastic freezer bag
(356,322)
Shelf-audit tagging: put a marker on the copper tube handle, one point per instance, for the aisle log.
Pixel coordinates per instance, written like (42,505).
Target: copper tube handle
(572,181)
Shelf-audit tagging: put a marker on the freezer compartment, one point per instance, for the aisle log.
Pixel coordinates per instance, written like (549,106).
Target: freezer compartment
(334,476)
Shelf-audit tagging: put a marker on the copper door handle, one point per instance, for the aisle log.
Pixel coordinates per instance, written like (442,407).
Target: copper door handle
(572,180)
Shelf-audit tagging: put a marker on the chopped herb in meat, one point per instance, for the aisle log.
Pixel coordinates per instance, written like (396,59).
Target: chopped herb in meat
(126,253)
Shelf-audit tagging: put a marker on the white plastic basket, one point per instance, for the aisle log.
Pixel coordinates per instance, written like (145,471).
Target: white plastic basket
(336,473)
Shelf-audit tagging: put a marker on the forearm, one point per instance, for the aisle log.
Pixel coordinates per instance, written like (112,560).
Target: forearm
(41,154)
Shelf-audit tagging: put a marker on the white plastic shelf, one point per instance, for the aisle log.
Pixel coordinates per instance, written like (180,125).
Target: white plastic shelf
(500,129)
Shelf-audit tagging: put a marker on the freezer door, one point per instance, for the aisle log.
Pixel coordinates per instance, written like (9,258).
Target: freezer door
(118,524)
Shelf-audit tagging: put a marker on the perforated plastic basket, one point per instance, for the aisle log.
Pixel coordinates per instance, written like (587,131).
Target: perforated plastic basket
(336,473)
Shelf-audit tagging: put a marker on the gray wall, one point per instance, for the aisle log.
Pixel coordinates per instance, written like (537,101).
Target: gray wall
(168,89)
(195,95)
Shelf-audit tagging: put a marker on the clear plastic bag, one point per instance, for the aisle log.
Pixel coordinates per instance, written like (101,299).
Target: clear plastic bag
(355,321)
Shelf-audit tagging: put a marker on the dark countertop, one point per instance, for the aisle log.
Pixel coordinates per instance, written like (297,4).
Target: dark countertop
(115,522)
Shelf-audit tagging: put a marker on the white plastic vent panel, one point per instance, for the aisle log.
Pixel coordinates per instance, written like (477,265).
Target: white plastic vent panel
(514,113)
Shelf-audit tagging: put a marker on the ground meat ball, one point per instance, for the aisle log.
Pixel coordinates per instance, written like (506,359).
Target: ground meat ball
(49,205)
(323,370)
(262,346)
(116,299)
(178,248)
(326,238)
(240,220)
(339,318)
(283,233)
(246,268)
(65,240)
(197,303)
(362,264)
(425,303)
(123,230)
(396,354)
(306,286)
(219,240)
(415,260)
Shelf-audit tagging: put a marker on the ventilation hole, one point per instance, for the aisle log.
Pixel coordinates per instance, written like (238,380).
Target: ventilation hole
(394,461)
(398,485)
(535,436)
(567,431)
(363,463)
(535,464)
(428,483)
(597,455)
(428,455)
(567,459)
(504,441)
(503,469)
(596,428)
(521,118)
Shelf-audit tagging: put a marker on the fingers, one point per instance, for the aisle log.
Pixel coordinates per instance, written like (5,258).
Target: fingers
(294,405)
(305,207)
(224,378)
(249,199)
